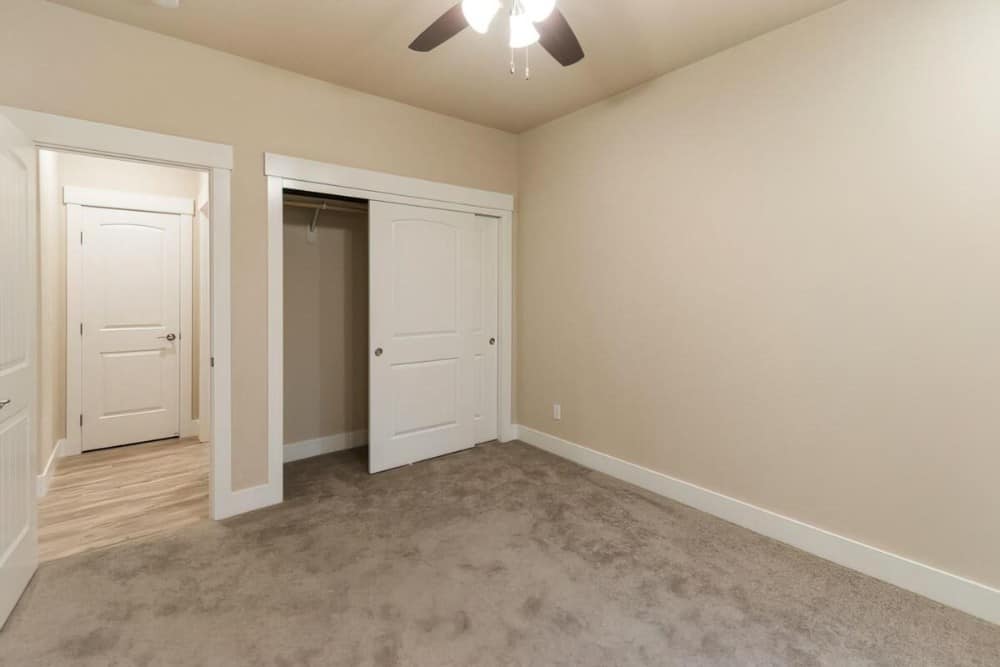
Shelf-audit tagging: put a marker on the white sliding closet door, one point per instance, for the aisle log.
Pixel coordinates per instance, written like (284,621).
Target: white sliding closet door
(483,277)
(429,333)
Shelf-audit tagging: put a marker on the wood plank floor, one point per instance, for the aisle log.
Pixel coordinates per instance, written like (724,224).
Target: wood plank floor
(102,498)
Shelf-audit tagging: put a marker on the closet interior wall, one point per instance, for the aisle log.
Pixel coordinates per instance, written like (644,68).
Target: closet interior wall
(325,323)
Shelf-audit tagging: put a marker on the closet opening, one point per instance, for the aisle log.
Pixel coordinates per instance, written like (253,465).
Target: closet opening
(389,305)
(389,329)
(325,324)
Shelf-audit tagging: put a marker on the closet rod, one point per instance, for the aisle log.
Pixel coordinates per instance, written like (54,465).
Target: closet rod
(339,208)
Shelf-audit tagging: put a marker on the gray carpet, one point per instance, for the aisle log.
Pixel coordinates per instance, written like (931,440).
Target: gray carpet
(502,555)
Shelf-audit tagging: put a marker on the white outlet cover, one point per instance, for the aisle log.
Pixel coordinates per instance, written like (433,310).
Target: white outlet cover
(556,411)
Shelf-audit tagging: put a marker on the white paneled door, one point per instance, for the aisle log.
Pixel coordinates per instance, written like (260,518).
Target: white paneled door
(130,311)
(431,331)
(18,307)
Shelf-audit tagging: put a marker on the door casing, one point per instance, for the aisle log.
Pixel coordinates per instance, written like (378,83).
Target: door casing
(61,133)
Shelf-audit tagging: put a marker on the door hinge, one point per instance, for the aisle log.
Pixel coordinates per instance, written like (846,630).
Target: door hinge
(81,328)
(81,238)
(81,420)
(212,362)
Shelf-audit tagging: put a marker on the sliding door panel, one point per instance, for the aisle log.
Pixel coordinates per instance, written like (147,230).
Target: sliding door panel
(422,389)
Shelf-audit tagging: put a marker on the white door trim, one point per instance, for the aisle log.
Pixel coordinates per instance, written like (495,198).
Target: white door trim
(75,198)
(58,132)
(311,176)
(367,184)
(203,228)
(70,134)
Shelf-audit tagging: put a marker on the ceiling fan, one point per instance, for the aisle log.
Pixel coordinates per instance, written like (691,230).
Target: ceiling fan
(531,21)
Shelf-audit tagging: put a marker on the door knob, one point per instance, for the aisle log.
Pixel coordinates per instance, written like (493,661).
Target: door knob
(493,341)
(4,403)
(171,337)
(378,352)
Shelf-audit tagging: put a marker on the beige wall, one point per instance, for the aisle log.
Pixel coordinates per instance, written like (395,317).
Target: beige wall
(91,68)
(776,274)
(58,170)
(326,325)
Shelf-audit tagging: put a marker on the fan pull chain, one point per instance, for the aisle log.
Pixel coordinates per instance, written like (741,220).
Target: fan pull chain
(527,66)
(513,68)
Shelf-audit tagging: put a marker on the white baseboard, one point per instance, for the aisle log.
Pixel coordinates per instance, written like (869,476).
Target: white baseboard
(45,477)
(247,500)
(949,589)
(296,451)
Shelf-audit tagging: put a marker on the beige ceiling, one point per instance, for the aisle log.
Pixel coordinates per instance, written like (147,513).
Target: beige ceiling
(362,44)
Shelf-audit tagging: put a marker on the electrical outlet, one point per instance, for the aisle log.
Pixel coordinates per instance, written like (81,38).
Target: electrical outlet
(556,411)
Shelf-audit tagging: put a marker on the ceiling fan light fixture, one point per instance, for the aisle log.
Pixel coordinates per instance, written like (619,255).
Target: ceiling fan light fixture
(479,13)
(522,31)
(538,10)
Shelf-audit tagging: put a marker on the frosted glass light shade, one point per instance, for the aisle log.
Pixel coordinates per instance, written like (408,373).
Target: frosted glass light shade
(479,13)
(538,10)
(522,31)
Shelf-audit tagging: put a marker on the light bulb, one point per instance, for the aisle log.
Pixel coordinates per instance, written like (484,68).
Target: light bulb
(522,31)
(538,10)
(479,13)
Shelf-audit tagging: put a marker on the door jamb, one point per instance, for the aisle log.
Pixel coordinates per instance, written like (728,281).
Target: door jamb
(49,131)
(203,230)
(76,199)
(295,173)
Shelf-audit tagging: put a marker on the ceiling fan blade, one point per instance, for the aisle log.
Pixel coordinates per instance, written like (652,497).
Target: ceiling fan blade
(559,39)
(447,26)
